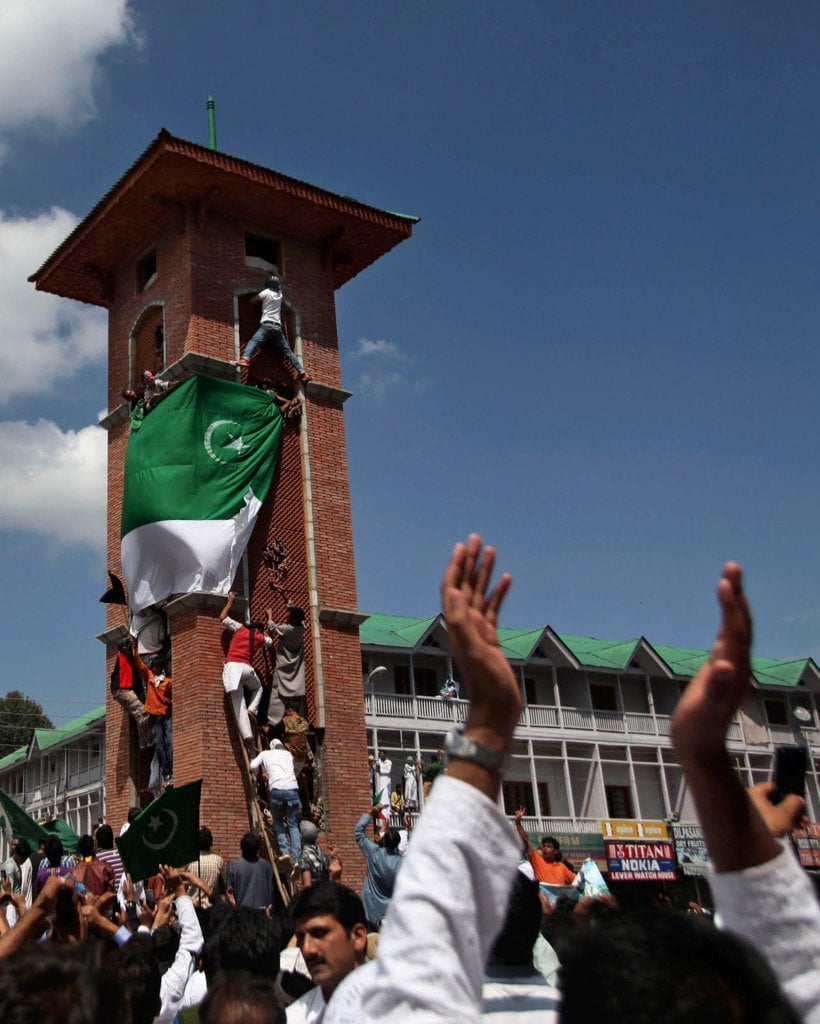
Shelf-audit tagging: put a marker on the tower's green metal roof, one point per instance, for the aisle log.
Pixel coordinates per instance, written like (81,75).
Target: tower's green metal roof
(684,661)
(770,672)
(519,643)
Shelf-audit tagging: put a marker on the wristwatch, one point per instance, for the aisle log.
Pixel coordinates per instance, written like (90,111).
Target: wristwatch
(457,745)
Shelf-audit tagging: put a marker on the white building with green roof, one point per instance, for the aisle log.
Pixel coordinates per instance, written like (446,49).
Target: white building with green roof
(593,738)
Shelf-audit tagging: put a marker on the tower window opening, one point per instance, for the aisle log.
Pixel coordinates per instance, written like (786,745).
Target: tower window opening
(262,252)
(146,270)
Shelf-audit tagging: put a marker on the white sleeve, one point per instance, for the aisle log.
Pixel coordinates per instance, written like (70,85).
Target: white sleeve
(774,908)
(175,979)
(231,624)
(437,936)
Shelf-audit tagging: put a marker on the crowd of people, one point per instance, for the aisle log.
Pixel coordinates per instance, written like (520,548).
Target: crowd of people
(455,920)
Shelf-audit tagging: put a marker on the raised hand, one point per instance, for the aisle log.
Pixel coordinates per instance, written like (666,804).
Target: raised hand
(711,700)
(472,619)
(780,818)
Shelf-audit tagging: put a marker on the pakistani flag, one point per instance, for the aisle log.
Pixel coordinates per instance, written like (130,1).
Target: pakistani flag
(15,822)
(196,474)
(166,832)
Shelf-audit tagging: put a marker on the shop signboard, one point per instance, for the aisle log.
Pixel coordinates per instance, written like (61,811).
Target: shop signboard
(690,847)
(807,841)
(613,828)
(577,846)
(641,861)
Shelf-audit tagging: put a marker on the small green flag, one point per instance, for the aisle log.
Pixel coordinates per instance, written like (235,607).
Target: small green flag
(166,832)
(196,474)
(18,823)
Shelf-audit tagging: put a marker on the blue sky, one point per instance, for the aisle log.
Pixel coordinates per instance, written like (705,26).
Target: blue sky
(598,348)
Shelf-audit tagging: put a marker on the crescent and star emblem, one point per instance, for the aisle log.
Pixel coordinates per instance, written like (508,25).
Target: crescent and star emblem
(223,441)
(156,826)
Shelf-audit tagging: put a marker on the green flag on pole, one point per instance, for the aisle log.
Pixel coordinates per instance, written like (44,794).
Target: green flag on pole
(196,474)
(17,823)
(166,832)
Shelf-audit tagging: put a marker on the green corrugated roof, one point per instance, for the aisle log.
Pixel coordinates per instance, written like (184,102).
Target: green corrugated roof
(49,737)
(770,672)
(394,630)
(684,661)
(12,758)
(518,643)
(592,652)
(600,653)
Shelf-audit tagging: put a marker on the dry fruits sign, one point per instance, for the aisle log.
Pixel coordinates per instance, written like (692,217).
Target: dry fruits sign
(640,861)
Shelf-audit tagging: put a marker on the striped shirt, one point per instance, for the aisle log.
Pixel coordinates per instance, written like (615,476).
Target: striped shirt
(112,859)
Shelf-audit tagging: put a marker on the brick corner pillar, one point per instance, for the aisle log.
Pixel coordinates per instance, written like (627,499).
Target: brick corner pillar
(206,740)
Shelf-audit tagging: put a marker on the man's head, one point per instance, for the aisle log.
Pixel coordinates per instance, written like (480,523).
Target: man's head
(139,978)
(650,967)
(206,839)
(249,845)
(85,846)
(158,665)
(237,997)
(21,851)
(309,832)
(147,376)
(296,615)
(391,839)
(272,281)
(133,812)
(54,851)
(550,849)
(105,837)
(331,930)
(243,940)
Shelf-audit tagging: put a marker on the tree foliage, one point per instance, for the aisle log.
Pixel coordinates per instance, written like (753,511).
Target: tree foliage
(19,714)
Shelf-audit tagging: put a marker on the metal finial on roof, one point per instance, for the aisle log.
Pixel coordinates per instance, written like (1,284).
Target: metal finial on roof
(211,123)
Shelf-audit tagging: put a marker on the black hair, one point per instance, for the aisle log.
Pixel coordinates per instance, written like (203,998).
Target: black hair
(165,940)
(206,839)
(513,944)
(391,839)
(238,996)
(272,280)
(249,845)
(139,978)
(258,626)
(245,940)
(24,848)
(133,812)
(551,841)
(667,967)
(54,851)
(60,984)
(105,837)
(333,899)
(297,614)
(85,846)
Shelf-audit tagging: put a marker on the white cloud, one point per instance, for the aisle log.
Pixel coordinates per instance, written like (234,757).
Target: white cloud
(43,339)
(53,483)
(50,57)
(377,384)
(379,348)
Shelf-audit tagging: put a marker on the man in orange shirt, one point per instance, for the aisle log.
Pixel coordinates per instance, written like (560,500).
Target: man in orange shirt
(547,863)
(159,706)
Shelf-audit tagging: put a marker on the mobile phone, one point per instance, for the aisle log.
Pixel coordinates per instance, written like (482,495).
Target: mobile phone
(789,771)
(150,902)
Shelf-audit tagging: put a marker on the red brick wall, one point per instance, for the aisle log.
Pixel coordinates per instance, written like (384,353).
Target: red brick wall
(198,272)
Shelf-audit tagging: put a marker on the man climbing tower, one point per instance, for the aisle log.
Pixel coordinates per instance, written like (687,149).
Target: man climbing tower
(270,327)
(289,676)
(239,671)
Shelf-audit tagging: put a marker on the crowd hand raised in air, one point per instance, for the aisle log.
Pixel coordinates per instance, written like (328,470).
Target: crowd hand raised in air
(736,834)
(471,610)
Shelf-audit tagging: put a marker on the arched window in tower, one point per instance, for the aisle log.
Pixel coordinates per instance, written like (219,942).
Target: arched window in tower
(147,344)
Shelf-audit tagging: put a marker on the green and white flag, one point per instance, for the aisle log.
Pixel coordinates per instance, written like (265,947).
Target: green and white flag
(196,474)
(166,832)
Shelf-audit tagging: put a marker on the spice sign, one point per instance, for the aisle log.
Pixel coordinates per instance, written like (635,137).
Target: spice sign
(641,862)
(616,829)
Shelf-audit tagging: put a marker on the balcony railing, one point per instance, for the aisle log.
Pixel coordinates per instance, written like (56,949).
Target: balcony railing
(630,723)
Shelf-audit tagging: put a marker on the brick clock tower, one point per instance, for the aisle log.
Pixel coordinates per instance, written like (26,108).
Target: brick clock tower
(173,251)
